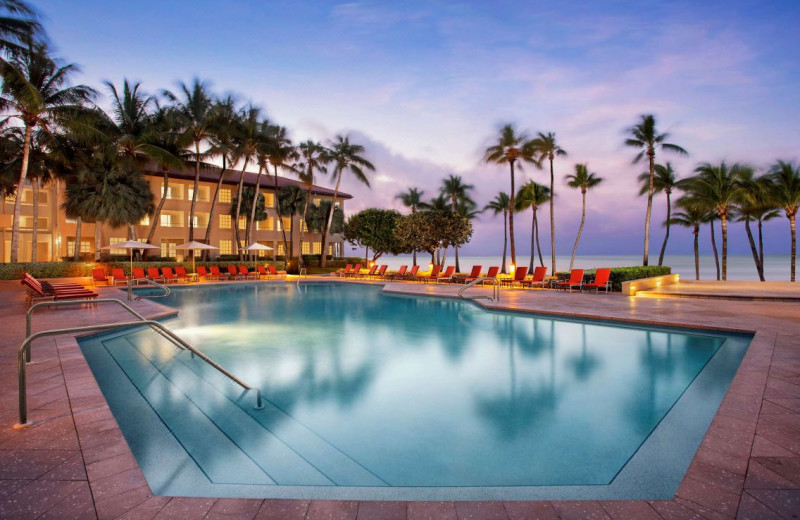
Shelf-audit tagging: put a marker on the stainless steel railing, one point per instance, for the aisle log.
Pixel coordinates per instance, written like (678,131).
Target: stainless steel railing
(151,282)
(303,273)
(495,289)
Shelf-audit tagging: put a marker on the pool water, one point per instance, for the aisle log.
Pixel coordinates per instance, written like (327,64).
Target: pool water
(365,389)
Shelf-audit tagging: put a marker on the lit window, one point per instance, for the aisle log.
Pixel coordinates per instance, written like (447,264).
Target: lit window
(116,251)
(145,221)
(68,220)
(225,196)
(336,206)
(269,200)
(202,193)
(168,248)
(317,248)
(169,192)
(317,201)
(86,246)
(285,223)
(166,220)
(303,225)
(281,250)
(306,248)
(242,222)
(224,221)
(225,247)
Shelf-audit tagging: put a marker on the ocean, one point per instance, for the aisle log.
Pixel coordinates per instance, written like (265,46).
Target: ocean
(740,267)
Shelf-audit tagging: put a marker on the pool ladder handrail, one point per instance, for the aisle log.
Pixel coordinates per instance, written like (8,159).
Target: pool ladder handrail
(24,352)
(151,282)
(495,297)
(303,273)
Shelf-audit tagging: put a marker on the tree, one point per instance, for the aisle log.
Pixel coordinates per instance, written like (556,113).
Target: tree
(532,195)
(290,201)
(785,190)
(454,188)
(412,198)
(432,230)
(755,204)
(691,215)
(646,138)
(279,152)
(375,229)
(665,181)
(249,194)
(35,91)
(501,204)
(248,137)
(18,26)
(346,156)
(223,146)
(511,147)
(584,180)
(314,159)
(545,147)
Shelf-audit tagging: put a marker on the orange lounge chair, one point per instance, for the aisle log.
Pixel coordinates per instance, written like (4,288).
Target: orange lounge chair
(345,271)
(602,280)
(519,276)
(36,291)
(399,274)
(370,273)
(153,274)
(491,274)
(245,273)
(216,274)
(448,274)
(203,273)
(262,271)
(168,275)
(233,274)
(433,275)
(138,274)
(473,275)
(57,285)
(381,271)
(99,276)
(356,271)
(412,274)
(180,272)
(575,280)
(118,275)
(539,275)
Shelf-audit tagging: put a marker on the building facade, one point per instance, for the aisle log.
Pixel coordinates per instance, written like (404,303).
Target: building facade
(57,234)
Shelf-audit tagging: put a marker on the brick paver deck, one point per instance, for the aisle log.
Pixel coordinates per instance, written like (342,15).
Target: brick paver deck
(75,463)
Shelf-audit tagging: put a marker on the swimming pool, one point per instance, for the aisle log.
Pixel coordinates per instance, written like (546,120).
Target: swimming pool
(372,395)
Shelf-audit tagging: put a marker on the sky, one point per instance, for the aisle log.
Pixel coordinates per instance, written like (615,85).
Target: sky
(424,86)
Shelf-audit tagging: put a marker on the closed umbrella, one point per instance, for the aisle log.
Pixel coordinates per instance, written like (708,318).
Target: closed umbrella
(257,247)
(194,246)
(130,245)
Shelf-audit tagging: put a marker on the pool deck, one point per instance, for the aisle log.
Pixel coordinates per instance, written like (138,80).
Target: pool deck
(74,462)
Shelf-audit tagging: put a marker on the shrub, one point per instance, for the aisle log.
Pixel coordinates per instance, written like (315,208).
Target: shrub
(45,270)
(624,274)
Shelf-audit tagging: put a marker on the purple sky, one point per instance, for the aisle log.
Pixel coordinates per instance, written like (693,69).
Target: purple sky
(425,85)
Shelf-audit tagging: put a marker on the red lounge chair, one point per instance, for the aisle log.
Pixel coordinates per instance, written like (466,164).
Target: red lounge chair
(519,276)
(356,271)
(203,273)
(473,275)
(539,275)
(216,274)
(575,280)
(601,281)
(153,274)
(99,276)
(345,271)
(245,273)
(180,272)
(168,275)
(262,271)
(412,274)
(37,292)
(273,271)
(399,274)
(118,276)
(434,274)
(233,274)
(448,274)
(381,271)
(138,274)
(370,273)
(492,274)
(57,285)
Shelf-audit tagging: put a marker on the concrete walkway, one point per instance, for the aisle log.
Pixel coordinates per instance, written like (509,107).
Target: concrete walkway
(728,290)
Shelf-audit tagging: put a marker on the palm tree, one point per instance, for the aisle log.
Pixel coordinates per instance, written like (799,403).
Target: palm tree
(412,198)
(248,137)
(458,192)
(584,180)
(222,145)
(501,204)
(546,148)
(196,114)
(666,181)
(755,204)
(281,153)
(347,157)
(292,201)
(35,91)
(18,25)
(314,158)
(511,146)
(721,187)
(532,195)
(691,215)
(645,137)
(785,192)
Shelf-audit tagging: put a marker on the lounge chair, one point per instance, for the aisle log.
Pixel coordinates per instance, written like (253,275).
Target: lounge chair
(39,292)
(370,273)
(180,272)
(345,271)
(273,271)
(245,273)
(433,275)
(233,273)
(539,275)
(519,276)
(381,271)
(168,275)
(202,273)
(118,276)
(602,280)
(356,271)
(399,274)
(491,274)
(57,285)
(154,275)
(261,271)
(575,280)
(448,275)
(473,275)
(99,276)
(138,274)
(216,274)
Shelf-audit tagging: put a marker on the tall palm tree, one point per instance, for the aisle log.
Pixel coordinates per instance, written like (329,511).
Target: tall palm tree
(292,201)
(721,187)
(755,204)
(411,198)
(666,181)
(196,112)
(315,158)
(282,154)
(223,146)
(691,215)
(547,148)
(533,195)
(501,204)
(346,156)
(35,91)
(511,147)
(785,191)
(248,137)
(265,144)
(584,180)
(457,191)
(646,138)
(18,25)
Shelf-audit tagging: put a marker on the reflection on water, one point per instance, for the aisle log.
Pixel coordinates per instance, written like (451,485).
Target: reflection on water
(436,392)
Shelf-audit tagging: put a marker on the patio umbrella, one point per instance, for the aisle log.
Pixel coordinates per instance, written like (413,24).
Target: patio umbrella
(130,245)
(255,246)
(194,246)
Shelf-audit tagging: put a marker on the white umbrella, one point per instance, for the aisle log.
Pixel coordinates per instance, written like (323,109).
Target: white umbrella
(194,245)
(130,245)
(255,246)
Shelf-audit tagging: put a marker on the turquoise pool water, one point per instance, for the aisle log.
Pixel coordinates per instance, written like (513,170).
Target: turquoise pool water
(371,393)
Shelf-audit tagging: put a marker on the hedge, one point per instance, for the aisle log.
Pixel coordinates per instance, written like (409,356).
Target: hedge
(78,269)
(624,274)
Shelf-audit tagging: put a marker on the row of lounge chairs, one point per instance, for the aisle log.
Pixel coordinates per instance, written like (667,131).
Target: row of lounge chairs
(168,275)
(44,291)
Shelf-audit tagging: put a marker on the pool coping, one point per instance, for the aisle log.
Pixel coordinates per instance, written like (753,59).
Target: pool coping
(739,442)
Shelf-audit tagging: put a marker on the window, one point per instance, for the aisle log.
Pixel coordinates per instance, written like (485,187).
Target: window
(166,220)
(26,222)
(285,223)
(317,248)
(224,221)
(117,251)
(266,225)
(336,206)
(242,222)
(86,246)
(269,200)
(68,220)
(171,219)
(168,248)
(306,248)
(225,247)
(145,221)
(317,201)
(303,225)
(281,250)
(173,192)
(262,253)
(203,194)
(225,196)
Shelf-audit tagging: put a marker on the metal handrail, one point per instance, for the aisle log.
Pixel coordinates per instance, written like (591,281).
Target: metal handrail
(151,282)
(25,346)
(495,288)
(303,273)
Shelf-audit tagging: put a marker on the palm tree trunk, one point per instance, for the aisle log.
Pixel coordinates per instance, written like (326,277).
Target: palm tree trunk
(538,245)
(256,193)
(714,247)
(761,243)
(98,239)
(754,250)
(76,251)
(505,240)
(724,219)
(324,259)
(215,198)
(793,229)
(239,190)
(35,230)
(696,253)
(651,157)
(23,173)
(580,230)
(552,222)
(196,187)
(533,238)
(666,235)
(511,218)
(157,215)
(287,253)
(304,224)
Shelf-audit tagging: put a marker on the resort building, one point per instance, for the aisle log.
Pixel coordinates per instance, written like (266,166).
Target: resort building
(56,233)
